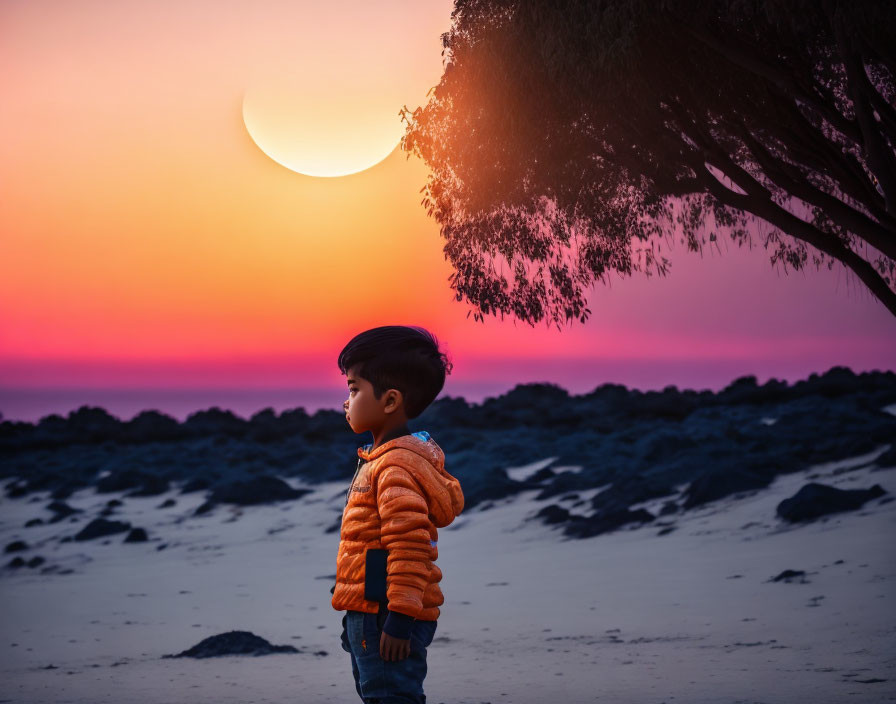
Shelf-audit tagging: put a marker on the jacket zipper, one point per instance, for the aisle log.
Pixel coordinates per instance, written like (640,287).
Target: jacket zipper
(349,493)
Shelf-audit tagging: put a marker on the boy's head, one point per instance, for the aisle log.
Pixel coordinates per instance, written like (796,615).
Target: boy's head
(399,367)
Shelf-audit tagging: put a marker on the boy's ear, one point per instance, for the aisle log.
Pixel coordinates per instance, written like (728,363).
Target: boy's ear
(394,400)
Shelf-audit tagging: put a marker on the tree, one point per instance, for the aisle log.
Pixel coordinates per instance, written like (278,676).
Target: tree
(567,139)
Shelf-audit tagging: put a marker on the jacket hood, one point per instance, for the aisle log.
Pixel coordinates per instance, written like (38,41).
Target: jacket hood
(443,492)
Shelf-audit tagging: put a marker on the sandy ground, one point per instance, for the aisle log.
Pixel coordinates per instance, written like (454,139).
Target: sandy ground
(529,617)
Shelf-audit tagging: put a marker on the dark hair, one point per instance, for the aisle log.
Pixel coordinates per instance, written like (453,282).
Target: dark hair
(400,357)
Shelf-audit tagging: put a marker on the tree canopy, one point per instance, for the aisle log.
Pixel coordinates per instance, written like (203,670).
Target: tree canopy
(569,139)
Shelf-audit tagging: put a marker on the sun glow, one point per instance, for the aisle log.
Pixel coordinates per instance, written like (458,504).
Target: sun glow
(316,128)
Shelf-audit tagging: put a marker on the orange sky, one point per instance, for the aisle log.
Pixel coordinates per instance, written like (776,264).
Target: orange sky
(143,229)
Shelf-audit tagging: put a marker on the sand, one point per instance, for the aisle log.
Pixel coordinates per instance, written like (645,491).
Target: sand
(529,616)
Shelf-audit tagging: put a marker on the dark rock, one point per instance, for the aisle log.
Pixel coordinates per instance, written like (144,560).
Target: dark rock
(257,490)
(888,458)
(836,381)
(627,490)
(153,485)
(62,510)
(664,444)
(668,507)
(99,527)
(152,426)
(265,427)
(720,482)
(667,404)
(814,500)
(34,522)
(137,535)
(195,484)
(745,390)
(605,522)
(233,643)
(16,546)
(789,576)
(93,424)
(660,438)
(109,508)
(525,404)
(214,421)
(16,490)
(334,527)
(542,475)
(323,427)
(205,507)
(66,489)
(16,562)
(448,411)
(122,480)
(563,483)
(553,514)
(36,561)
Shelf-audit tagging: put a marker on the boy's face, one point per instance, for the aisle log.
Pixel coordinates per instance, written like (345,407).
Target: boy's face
(362,409)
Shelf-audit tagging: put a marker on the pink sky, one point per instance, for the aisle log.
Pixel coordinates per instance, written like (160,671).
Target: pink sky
(148,241)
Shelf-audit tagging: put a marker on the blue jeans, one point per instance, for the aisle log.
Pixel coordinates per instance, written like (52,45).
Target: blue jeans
(379,681)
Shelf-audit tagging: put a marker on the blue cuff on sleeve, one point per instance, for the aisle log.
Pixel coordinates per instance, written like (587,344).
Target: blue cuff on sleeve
(398,625)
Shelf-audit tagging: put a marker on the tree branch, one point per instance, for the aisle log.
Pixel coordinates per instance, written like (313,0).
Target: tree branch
(883,55)
(849,171)
(793,182)
(737,54)
(877,153)
(800,229)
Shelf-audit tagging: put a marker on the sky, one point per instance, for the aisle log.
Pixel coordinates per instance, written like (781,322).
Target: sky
(156,232)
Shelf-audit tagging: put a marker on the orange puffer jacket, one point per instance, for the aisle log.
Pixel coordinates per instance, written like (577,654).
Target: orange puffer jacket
(388,543)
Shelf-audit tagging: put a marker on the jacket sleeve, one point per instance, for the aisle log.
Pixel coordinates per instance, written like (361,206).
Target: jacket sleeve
(404,524)
(398,625)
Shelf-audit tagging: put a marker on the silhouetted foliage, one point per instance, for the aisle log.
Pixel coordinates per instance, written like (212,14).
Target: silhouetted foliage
(567,139)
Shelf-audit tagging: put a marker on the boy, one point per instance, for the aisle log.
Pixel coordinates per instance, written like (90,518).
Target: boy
(386,579)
